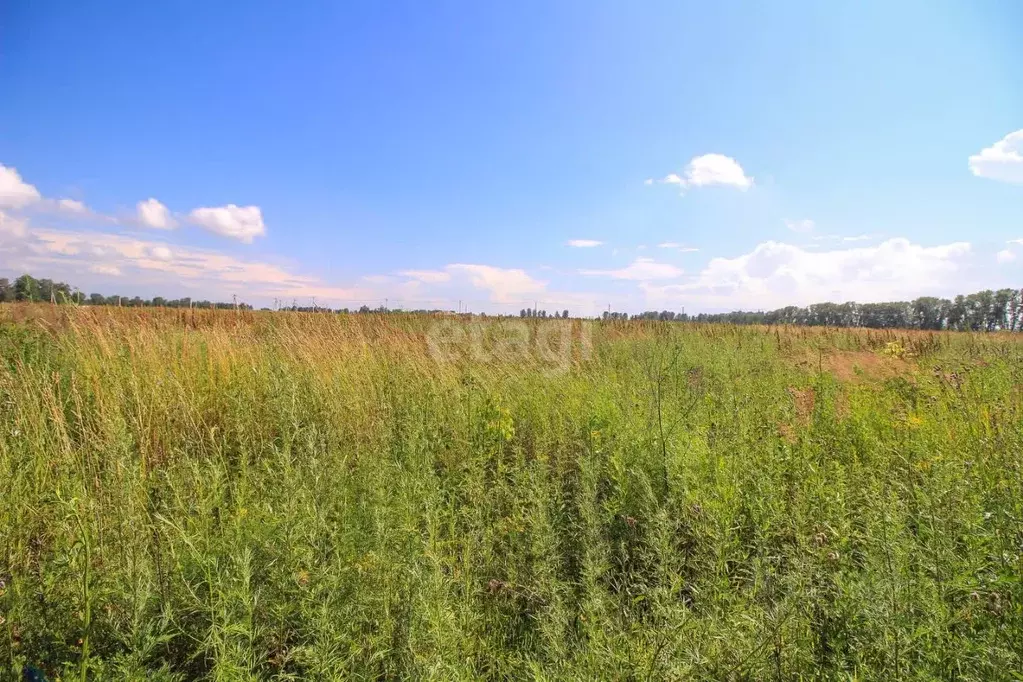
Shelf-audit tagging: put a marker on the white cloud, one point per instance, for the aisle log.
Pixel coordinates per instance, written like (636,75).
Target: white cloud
(72,206)
(802,226)
(776,274)
(101,269)
(648,181)
(858,238)
(1015,241)
(1001,161)
(1005,256)
(161,252)
(711,169)
(152,213)
(243,223)
(217,275)
(678,247)
(504,284)
(11,227)
(641,269)
(584,243)
(427,276)
(14,192)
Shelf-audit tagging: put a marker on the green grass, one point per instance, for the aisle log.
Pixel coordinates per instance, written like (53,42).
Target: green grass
(289,496)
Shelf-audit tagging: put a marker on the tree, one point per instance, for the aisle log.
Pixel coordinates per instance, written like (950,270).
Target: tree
(1015,310)
(45,289)
(1000,308)
(26,288)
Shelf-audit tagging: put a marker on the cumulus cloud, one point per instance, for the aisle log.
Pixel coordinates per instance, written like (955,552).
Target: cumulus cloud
(1005,256)
(1001,161)
(11,227)
(641,269)
(17,194)
(710,169)
(802,226)
(243,223)
(427,276)
(161,252)
(72,206)
(174,270)
(152,213)
(504,284)
(14,192)
(101,269)
(776,274)
(584,243)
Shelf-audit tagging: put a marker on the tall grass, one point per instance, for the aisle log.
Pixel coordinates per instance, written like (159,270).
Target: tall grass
(233,496)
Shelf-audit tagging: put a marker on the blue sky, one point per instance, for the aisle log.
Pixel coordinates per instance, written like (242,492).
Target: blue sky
(422,153)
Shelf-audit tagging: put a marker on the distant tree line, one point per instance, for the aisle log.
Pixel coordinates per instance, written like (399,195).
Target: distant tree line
(982,311)
(532,312)
(363,309)
(28,288)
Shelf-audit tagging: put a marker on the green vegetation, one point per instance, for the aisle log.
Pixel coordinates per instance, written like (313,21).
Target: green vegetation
(241,495)
(987,310)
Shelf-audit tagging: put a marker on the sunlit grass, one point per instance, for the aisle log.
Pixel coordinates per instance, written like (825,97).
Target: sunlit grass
(220,495)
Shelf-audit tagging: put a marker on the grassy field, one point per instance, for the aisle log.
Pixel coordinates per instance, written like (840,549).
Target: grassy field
(234,496)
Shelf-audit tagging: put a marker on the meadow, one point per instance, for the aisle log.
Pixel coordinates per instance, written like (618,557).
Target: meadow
(222,495)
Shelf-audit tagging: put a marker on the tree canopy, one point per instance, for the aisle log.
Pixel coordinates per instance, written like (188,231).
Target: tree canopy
(981,311)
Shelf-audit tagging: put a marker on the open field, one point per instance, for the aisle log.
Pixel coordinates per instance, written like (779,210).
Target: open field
(220,495)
